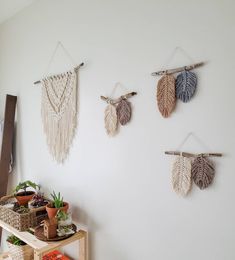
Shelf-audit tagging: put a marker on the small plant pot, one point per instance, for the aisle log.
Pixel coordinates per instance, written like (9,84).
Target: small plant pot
(20,252)
(23,198)
(53,211)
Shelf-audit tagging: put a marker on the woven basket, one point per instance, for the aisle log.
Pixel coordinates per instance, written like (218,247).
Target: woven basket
(20,252)
(21,222)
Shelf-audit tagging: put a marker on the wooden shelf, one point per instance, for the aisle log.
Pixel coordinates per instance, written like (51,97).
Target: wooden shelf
(5,256)
(41,247)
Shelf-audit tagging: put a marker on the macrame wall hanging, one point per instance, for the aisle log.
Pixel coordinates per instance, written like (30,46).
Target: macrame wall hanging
(117,111)
(59,109)
(188,168)
(169,88)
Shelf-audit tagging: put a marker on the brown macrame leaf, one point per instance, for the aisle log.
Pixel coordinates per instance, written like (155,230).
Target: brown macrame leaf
(203,172)
(110,120)
(166,99)
(181,175)
(124,112)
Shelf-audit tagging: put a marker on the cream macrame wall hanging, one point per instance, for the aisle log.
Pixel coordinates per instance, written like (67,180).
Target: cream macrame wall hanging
(117,111)
(59,110)
(170,89)
(188,168)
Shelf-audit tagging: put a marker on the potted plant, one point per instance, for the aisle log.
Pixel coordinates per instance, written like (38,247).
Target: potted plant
(19,249)
(24,196)
(38,200)
(57,204)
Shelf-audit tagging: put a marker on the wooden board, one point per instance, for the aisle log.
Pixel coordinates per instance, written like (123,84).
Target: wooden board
(7,144)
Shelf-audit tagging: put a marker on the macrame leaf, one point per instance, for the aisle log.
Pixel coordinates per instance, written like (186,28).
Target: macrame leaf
(186,83)
(203,172)
(166,95)
(181,175)
(124,112)
(110,120)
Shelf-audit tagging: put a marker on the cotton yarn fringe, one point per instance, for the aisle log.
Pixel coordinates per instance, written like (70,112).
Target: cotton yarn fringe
(203,172)
(59,112)
(181,175)
(166,99)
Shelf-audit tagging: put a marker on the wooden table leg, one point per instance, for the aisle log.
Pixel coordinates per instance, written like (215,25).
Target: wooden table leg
(37,255)
(83,254)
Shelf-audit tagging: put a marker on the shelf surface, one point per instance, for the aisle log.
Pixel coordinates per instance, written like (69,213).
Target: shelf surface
(37,244)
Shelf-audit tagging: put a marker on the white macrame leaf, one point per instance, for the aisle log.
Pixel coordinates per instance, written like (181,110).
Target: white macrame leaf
(59,112)
(110,119)
(181,175)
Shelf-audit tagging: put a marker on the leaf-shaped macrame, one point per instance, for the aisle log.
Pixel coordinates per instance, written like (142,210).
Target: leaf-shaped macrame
(110,119)
(203,172)
(166,95)
(124,111)
(186,83)
(181,175)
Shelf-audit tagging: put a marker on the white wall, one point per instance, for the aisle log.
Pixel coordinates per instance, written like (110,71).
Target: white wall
(120,187)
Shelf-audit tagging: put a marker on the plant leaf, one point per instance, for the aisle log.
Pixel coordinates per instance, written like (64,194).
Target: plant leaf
(186,83)
(166,95)
(111,120)
(181,175)
(203,172)
(124,111)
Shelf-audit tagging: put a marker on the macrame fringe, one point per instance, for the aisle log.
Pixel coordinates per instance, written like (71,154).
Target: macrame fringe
(203,172)
(186,83)
(59,113)
(166,95)
(181,175)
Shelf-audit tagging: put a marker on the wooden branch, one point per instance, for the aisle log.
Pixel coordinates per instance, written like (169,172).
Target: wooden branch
(77,68)
(193,155)
(115,101)
(172,71)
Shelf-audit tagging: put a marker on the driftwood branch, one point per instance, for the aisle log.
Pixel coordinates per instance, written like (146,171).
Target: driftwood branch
(115,101)
(193,155)
(172,71)
(77,68)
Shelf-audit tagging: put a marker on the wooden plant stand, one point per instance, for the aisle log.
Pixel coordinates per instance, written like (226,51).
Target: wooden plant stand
(41,247)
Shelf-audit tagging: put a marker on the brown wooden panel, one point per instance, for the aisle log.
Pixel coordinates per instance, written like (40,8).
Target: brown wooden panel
(7,143)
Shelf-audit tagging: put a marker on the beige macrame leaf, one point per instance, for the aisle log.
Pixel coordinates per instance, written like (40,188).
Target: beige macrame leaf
(124,112)
(166,99)
(203,172)
(181,175)
(110,119)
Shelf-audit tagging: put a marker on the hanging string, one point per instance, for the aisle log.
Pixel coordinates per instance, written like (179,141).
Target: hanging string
(59,44)
(172,55)
(118,84)
(198,140)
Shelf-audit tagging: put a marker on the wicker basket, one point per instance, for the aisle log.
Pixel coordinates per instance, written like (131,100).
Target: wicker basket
(21,222)
(20,252)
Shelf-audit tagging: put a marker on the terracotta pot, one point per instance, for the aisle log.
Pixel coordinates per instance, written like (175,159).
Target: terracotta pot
(53,211)
(23,198)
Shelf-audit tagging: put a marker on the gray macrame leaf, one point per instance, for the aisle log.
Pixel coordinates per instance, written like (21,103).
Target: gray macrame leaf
(203,172)
(186,83)
(124,112)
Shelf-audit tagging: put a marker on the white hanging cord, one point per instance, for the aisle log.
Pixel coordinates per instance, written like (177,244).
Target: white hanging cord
(191,134)
(118,84)
(59,44)
(172,55)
